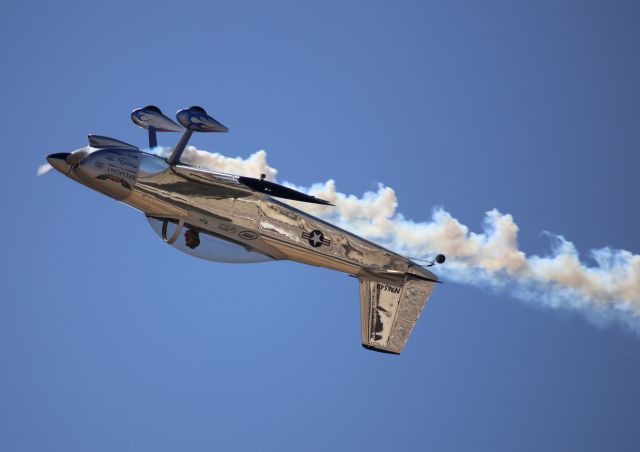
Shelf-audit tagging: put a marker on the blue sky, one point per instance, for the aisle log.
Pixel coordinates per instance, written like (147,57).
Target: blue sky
(110,340)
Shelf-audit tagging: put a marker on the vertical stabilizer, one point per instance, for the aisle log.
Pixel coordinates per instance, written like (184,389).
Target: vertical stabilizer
(389,311)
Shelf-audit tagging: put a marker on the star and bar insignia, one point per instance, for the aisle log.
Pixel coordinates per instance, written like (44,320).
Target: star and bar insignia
(316,238)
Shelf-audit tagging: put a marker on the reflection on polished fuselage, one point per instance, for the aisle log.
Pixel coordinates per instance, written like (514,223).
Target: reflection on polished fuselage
(228,218)
(217,206)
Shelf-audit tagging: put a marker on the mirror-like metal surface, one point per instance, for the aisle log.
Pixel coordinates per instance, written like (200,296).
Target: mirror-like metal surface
(197,119)
(236,224)
(389,311)
(211,248)
(151,117)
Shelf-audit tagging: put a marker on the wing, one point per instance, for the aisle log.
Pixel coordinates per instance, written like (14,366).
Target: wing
(389,311)
(280,191)
(244,186)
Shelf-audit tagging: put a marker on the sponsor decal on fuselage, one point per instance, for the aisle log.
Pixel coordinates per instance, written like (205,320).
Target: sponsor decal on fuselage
(125,162)
(121,173)
(116,179)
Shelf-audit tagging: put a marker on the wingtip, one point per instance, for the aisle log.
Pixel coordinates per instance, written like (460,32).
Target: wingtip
(325,203)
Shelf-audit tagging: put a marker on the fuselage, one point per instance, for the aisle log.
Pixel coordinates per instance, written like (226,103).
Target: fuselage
(181,198)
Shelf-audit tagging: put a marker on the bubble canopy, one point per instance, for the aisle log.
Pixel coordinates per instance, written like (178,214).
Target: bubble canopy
(211,248)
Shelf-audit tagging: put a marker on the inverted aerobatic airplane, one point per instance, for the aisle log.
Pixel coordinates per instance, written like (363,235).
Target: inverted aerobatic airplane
(228,218)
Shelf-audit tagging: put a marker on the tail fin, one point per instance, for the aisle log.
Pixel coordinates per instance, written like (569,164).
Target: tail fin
(389,311)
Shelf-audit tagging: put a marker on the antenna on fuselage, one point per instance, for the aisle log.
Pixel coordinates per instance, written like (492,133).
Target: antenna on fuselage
(152,119)
(194,119)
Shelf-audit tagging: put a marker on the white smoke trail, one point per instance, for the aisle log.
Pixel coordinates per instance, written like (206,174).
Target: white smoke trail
(491,259)
(255,165)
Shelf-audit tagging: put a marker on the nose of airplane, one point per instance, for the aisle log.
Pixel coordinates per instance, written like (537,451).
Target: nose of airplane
(59,161)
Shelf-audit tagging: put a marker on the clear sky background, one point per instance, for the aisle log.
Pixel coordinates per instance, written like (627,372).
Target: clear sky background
(111,340)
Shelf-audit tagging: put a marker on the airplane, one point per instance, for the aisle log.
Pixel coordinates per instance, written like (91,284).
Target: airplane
(240,219)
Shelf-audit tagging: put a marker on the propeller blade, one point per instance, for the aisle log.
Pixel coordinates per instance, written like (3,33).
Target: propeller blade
(44,169)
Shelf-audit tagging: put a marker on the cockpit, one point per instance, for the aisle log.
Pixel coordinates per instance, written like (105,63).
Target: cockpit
(210,247)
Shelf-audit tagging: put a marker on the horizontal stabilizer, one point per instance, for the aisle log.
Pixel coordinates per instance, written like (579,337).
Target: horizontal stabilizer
(152,117)
(279,191)
(196,119)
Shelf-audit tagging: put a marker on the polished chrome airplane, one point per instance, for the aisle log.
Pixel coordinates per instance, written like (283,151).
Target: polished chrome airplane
(228,218)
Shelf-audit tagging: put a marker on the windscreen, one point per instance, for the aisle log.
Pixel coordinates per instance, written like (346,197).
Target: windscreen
(211,248)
